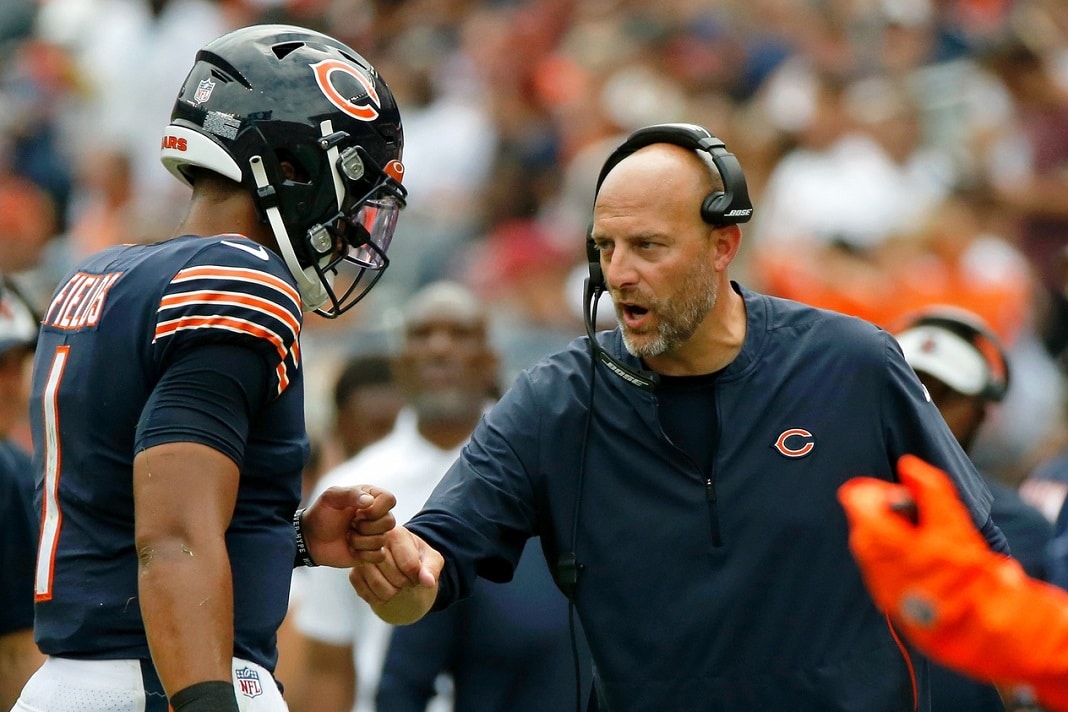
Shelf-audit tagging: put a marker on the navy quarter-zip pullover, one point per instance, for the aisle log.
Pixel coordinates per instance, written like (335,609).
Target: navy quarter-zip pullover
(728,586)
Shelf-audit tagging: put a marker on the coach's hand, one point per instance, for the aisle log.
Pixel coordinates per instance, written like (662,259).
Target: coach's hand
(402,587)
(347,525)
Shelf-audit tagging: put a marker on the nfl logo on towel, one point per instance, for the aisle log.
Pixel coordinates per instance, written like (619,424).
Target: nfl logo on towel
(248,681)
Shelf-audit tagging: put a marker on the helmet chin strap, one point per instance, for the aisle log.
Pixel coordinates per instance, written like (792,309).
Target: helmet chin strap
(312,291)
(326,128)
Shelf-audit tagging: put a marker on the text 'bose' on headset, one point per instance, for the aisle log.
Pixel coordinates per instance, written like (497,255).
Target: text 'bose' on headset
(729,206)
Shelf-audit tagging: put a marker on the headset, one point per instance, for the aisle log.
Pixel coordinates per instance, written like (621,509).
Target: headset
(969,327)
(729,206)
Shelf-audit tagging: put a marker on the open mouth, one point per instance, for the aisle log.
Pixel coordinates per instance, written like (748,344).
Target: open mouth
(632,315)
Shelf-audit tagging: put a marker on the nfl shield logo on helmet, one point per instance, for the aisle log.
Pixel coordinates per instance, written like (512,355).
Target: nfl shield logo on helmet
(204,90)
(248,682)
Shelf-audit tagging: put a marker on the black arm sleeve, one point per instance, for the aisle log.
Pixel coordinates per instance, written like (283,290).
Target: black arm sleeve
(210,696)
(207,395)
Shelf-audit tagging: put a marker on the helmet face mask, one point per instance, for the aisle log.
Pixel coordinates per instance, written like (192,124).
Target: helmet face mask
(355,240)
(313,132)
(352,241)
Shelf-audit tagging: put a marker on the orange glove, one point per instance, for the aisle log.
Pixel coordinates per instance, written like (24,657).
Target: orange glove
(960,603)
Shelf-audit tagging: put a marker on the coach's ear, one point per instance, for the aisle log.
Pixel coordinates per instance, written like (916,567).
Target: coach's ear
(726,241)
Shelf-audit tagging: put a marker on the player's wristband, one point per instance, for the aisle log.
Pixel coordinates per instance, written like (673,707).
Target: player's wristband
(303,555)
(210,696)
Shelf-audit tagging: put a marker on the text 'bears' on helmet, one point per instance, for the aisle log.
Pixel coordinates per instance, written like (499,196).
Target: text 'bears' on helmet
(314,133)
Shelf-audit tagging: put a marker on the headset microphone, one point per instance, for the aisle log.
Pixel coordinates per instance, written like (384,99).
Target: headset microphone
(646,380)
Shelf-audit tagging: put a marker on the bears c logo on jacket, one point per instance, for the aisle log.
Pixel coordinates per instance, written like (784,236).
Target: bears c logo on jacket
(327,77)
(795,442)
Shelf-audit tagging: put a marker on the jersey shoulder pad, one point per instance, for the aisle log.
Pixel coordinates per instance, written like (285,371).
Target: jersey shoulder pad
(233,289)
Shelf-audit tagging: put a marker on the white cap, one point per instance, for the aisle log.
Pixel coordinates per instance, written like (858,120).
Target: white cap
(949,358)
(18,327)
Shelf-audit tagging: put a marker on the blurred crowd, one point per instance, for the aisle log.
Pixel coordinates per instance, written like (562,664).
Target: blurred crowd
(900,153)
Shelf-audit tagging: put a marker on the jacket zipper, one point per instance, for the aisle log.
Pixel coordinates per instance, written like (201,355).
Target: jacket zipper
(710,479)
(713,511)
(710,483)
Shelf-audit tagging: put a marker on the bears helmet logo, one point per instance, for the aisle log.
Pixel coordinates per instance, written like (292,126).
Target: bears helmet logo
(327,75)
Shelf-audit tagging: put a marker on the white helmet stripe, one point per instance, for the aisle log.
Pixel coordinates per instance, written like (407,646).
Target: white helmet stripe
(184,147)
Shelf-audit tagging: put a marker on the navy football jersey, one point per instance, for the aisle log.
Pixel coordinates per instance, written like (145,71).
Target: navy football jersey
(108,335)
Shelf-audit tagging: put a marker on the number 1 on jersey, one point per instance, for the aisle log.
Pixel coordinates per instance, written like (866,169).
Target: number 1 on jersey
(51,516)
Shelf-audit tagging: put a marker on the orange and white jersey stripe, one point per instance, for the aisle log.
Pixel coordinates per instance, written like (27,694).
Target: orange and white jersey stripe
(234,296)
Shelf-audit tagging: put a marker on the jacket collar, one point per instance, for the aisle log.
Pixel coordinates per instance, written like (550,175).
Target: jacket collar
(756,310)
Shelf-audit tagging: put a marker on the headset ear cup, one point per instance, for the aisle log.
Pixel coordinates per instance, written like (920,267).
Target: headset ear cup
(714,207)
(593,257)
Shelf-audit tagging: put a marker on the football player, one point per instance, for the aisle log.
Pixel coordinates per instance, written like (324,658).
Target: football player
(168,399)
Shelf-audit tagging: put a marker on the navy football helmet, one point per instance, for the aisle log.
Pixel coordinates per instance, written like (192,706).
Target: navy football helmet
(267,94)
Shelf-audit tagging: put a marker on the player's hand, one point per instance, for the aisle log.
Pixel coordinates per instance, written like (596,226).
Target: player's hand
(963,605)
(347,525)
(402,587)
(904,562)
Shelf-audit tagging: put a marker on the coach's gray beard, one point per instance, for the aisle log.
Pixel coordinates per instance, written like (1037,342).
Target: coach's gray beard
(678,320)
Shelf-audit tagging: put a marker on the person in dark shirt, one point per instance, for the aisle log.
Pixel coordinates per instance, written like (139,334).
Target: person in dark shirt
(682,470)
(19,656)
(965,369)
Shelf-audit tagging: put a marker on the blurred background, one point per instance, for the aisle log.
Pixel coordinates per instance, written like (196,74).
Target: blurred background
(899,153)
